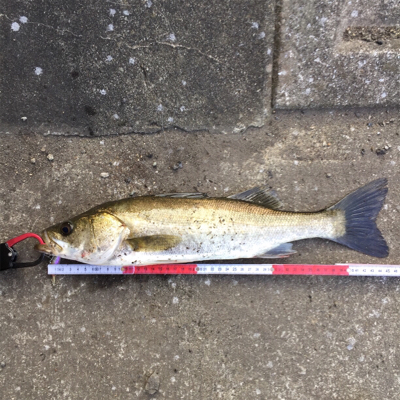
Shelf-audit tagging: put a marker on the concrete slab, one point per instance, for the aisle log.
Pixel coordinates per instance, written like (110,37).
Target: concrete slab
(81,68)
(338,54)
(192,337)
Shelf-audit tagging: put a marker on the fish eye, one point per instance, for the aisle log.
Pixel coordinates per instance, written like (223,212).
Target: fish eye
(66,228)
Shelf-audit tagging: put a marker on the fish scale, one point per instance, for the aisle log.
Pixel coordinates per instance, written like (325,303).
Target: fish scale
(230,230)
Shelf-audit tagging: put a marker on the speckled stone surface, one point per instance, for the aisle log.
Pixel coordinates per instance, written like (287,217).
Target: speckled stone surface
(324,62)
(89,67)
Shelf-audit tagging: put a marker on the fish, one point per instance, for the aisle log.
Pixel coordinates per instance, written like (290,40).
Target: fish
(192,227)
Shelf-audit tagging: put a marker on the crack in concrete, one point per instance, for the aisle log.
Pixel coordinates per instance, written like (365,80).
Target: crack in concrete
(276,53)
(41,24)
(56,29)
(174,46)
(130,132)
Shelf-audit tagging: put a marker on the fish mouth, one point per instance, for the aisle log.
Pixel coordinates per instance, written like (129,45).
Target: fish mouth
(49,246)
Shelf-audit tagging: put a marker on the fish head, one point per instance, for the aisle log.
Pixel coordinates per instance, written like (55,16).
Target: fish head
(89,238)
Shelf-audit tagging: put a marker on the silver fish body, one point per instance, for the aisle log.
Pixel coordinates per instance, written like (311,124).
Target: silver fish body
(215,229)
(153,229)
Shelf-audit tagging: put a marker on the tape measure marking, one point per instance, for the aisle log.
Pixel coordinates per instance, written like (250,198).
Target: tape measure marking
(83,269)
(373,270)
(163,269)
(228,269)
(310,269)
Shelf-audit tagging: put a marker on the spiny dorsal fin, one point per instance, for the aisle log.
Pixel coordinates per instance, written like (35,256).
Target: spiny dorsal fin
(154,242)
(260,195)
(184,195)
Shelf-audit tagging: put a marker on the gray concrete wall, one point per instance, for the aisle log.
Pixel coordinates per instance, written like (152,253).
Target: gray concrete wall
(336,53)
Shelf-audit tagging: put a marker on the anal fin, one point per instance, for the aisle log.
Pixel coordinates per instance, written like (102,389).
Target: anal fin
(154,242)
(282,251)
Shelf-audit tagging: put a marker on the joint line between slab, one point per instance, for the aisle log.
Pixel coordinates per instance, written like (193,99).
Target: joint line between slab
(276,52)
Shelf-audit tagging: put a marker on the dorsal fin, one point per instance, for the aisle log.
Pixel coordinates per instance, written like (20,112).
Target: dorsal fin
(184,195)
(260,195)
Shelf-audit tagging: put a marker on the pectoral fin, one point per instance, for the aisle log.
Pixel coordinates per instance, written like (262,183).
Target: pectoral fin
(154,243)
(282,251)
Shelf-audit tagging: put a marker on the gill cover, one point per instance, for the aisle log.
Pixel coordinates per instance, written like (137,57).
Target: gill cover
(93,239)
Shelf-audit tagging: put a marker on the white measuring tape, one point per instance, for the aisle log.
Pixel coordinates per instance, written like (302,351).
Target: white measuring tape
(228,269)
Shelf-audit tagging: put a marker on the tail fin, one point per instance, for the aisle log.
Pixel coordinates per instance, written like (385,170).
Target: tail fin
(361,209)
